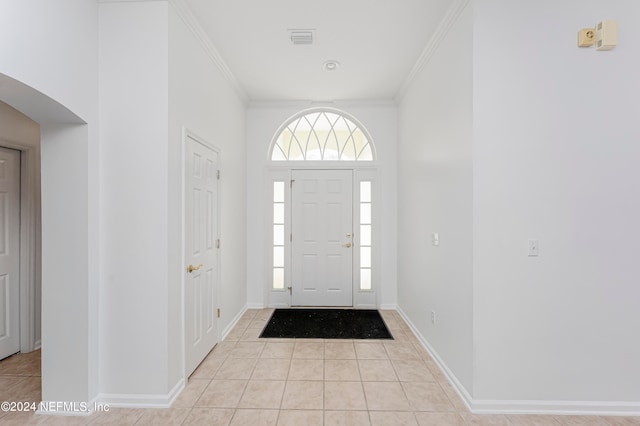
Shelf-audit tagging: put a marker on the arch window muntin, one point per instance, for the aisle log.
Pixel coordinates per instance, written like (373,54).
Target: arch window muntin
(340,129)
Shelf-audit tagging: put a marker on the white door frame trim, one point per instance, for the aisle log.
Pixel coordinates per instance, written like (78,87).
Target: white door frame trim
(369,170)
(29,243)
(186,134)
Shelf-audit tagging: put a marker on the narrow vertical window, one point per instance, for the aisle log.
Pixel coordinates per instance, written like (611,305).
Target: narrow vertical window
(278,235)
(365,235)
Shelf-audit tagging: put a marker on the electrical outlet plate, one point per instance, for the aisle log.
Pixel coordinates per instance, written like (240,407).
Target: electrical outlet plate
(586,37)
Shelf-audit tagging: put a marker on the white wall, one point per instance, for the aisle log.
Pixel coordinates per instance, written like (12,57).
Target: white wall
(556,158)
(202,101)
(66,300)
(435,195)
(50,75)
(548,132)
(134,62)
(263,120)
(49,71)
(60,64)
(156,80)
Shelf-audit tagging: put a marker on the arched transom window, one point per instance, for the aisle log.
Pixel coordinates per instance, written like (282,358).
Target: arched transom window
(325,135)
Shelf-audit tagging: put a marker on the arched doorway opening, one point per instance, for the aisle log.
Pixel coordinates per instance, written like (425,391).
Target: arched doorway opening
(68,244)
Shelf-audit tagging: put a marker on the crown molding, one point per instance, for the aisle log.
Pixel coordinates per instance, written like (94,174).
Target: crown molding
(127,1)
(450,18)
(338,103)
(184,12)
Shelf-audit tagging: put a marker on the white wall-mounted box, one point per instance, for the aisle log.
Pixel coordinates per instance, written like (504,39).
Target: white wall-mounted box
(606,35)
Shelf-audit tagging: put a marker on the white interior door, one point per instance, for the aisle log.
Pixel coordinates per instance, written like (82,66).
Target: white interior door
(9,252)
(321,246)
(201,242)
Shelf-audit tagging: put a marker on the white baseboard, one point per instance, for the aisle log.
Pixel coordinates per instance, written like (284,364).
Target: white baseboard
(233,323)
(483,406)
(255,306)
(141,400)
(460,389)
(37,345)
(574,408)
(389,306)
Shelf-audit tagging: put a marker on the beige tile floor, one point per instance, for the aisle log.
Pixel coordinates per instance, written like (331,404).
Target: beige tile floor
(250,381)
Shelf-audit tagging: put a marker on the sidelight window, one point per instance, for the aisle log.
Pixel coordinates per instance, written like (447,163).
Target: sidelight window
(365,235)
(278,235)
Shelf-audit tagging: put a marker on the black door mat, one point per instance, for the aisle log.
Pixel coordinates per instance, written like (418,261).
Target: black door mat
(326,324)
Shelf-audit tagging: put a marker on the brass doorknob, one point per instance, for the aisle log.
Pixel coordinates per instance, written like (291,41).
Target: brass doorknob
(192,268)
(348,245)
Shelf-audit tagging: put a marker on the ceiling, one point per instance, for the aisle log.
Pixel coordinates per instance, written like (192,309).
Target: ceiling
(376,42)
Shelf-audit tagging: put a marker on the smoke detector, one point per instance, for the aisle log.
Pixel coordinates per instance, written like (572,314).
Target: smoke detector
(301,36)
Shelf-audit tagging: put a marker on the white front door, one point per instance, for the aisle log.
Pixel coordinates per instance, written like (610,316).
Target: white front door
(321,246)
(9,252)
(201,239)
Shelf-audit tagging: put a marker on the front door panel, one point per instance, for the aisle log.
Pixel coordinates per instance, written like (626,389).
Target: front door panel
(322,248)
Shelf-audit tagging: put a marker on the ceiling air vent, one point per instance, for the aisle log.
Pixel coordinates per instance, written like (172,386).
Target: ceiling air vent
(301,36)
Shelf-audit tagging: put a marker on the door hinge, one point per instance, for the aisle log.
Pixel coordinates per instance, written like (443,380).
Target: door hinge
(291,183)
(218,312)
(218,243)
(291,237)
(290,290)
(218,174)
